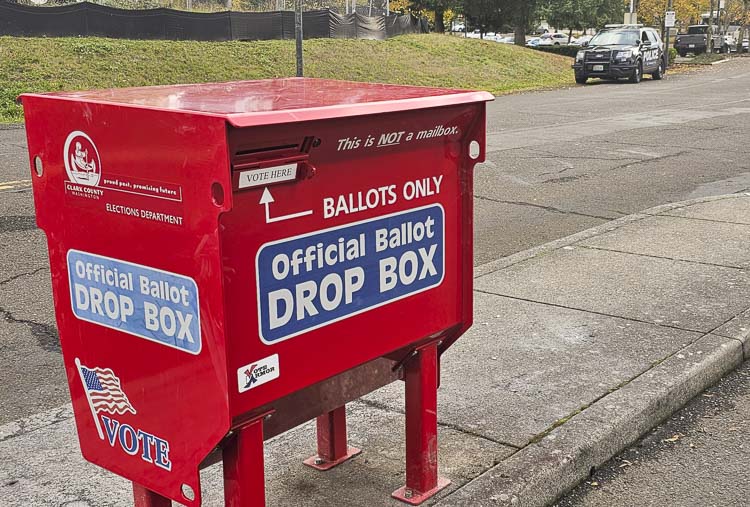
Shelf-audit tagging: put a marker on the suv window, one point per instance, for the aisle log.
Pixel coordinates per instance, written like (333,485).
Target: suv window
(653,37)
(697,30)
(615,37)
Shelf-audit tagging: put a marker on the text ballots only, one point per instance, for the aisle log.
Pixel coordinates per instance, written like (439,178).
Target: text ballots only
(231,260)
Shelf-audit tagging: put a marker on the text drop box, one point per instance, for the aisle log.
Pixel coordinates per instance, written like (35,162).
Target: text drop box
(139,300)
(313,280)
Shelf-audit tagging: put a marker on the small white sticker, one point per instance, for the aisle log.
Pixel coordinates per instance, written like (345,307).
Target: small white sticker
(258,373)
(268,175)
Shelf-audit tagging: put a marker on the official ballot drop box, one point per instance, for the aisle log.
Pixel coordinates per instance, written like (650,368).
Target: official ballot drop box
(231,260)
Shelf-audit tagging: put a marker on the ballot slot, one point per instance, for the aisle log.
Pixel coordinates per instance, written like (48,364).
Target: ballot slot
(255,167)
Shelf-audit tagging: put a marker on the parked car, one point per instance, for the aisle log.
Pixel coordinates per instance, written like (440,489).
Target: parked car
(533,42)
(554,39)
(745,45)
(506,40)
(696,41)
(583,40)
(622,51)
(729,44)
(459,27)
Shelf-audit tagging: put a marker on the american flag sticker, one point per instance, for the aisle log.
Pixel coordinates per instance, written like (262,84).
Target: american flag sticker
(103,392)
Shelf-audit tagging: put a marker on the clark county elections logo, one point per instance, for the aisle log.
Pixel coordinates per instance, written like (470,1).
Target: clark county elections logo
(82,162)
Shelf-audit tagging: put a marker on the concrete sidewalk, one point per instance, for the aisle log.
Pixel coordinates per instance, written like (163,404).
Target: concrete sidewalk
(578,348)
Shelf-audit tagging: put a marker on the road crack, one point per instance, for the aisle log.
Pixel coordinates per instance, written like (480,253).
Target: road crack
(544,207)
(455,427)
(21,275)
(45,334)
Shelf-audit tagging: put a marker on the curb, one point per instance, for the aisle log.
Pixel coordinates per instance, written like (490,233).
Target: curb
(11,126)
(540,473)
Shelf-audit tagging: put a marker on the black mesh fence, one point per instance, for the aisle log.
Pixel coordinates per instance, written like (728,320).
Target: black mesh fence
(88,19)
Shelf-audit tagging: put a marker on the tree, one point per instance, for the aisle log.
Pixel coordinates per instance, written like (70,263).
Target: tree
(439,7)
(600,12)
(483,14)
(687,12)
(565,14)
(522,14)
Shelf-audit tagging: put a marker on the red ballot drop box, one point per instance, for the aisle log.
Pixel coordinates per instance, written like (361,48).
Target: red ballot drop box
(231,260)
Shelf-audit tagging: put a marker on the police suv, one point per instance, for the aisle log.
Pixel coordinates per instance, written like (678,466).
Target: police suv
(622,51)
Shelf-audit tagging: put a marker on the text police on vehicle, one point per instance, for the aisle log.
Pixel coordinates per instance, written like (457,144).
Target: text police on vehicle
(622,51)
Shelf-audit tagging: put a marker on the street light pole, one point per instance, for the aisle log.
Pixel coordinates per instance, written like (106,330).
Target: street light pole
(298,36)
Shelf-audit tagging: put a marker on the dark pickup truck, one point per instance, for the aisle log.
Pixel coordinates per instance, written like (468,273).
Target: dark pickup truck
(695,41)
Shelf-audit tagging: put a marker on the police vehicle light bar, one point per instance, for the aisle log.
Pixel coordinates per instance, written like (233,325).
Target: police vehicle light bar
(623,26)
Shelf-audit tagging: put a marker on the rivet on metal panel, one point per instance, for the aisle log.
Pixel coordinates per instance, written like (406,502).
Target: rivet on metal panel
(187,492)
(310,172)
(474,150)
(217,193)
(38,167)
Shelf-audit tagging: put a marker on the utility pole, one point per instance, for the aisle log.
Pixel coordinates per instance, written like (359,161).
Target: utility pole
(631,17)
(710,31)
(668,24)
(298,36)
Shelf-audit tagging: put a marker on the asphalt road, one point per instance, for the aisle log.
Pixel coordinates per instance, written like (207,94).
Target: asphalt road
(567,160)
(558,162)
(698,458)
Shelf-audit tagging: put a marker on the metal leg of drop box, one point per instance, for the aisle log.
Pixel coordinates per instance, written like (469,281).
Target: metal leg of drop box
(144,497)
(421,377)
(333,447)
(244,479)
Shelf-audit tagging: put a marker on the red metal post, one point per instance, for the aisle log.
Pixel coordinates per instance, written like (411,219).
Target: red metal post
(332,441)
(143,497)
(244,479)
(421,377)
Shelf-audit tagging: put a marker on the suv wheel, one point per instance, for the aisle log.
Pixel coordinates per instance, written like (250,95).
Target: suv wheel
(660,71)
(581,79)
(637,73)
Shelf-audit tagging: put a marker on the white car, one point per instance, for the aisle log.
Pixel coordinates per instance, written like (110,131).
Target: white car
(580,41)
(554,39)
(505,40)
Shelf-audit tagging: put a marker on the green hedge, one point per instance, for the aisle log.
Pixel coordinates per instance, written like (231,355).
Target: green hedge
(560,50)
(672,55)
